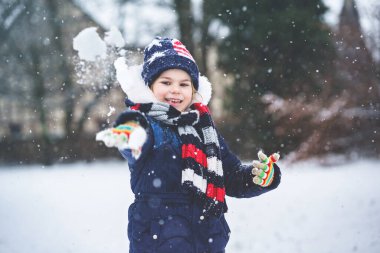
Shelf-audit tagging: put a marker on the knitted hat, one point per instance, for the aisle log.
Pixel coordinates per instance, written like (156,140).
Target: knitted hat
(165,53)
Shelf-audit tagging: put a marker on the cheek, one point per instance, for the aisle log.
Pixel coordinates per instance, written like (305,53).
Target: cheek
(188,93)
(159,93)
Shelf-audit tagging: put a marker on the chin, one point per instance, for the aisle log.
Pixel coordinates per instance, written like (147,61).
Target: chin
(180,109)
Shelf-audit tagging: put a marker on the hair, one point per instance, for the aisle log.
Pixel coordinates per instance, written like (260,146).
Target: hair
(198,99)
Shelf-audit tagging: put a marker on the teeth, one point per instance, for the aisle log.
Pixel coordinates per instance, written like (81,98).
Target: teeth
(174,100)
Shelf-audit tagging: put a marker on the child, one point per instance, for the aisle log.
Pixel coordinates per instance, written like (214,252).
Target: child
(181,168)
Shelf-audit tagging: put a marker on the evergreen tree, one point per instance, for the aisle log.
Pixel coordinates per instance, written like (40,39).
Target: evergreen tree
(278,46)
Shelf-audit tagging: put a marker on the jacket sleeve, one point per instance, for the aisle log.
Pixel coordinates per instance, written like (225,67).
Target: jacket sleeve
(238,177)
(130,115)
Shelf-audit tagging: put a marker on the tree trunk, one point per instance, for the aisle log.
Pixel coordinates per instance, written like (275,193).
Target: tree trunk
(65,68)
(185,21)
(205,39)
(39,94)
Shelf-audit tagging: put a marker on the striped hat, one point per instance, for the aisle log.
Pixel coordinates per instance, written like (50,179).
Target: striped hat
(165,53)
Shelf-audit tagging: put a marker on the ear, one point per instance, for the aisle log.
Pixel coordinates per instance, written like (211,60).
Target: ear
(204,90)
(132,83)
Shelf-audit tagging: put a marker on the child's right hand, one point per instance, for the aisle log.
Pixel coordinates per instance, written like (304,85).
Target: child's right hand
(129,135)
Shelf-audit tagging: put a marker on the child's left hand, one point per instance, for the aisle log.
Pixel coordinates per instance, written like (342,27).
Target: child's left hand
(263,170)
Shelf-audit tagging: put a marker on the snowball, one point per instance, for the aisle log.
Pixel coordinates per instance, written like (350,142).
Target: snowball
(89,45)
(114,38)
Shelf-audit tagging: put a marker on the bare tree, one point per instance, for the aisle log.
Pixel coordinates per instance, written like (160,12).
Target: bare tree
(185,21)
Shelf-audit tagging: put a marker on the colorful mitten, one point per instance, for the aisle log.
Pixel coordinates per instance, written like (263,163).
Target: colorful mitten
(129,135)
(263,170)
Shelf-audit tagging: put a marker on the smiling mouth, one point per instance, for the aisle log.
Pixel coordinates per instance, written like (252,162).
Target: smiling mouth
(173,101)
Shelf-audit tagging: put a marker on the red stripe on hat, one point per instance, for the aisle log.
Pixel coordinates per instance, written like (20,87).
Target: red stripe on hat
(181,49)
(215,192)
(184,53)
(177,42)
(189,150)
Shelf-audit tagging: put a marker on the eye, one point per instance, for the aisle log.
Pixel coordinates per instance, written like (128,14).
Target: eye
(185,84)
(165,82)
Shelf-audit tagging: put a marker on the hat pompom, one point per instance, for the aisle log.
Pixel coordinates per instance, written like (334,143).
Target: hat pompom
(131,82)
(204,90)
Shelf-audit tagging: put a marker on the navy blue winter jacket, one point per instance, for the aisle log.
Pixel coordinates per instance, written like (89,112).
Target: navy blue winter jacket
(164,217)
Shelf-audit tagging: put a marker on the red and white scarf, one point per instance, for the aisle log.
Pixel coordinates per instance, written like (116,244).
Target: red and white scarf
(202,169)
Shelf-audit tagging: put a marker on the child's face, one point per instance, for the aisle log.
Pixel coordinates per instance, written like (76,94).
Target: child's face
(174,87)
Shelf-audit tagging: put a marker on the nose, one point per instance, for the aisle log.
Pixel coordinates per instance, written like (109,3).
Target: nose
(175,88)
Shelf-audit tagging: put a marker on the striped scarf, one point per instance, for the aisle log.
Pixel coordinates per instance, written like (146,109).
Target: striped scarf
(202,170)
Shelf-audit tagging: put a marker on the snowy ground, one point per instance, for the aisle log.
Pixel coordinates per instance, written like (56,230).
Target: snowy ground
(83,208)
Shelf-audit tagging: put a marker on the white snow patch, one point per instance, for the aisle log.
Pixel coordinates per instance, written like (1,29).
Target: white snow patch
(83,207)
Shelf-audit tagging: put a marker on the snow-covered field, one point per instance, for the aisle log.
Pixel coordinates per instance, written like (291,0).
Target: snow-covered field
(82,208)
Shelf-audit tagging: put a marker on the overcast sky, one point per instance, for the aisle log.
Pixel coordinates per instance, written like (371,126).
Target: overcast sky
(364,6)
